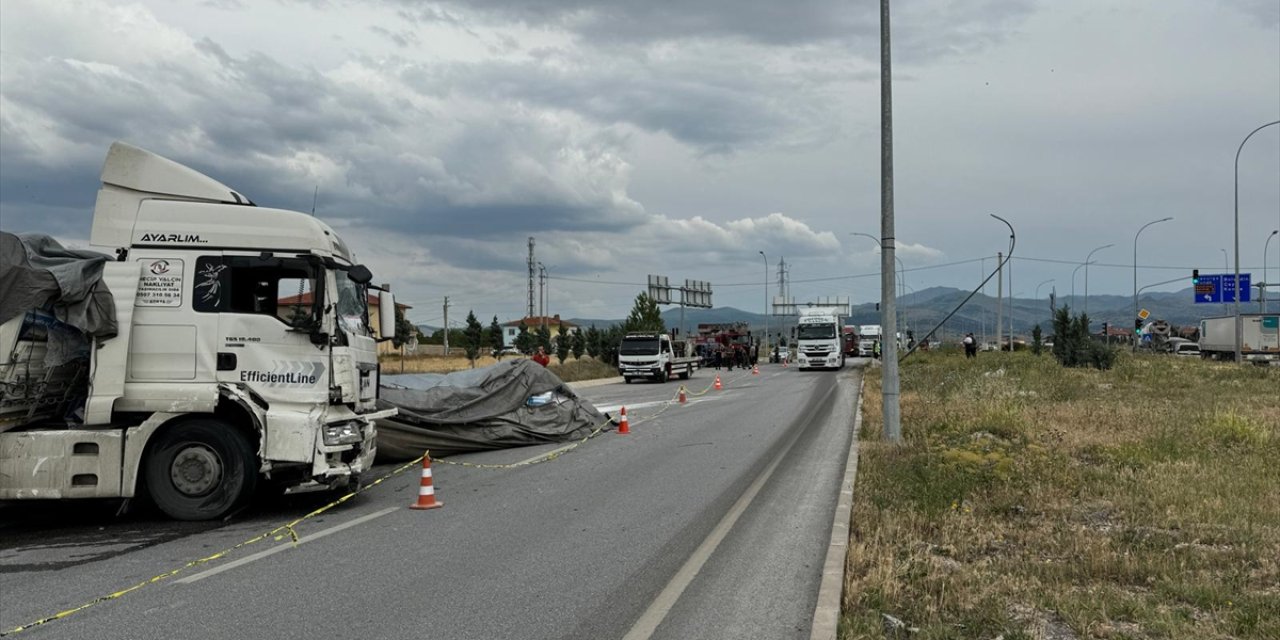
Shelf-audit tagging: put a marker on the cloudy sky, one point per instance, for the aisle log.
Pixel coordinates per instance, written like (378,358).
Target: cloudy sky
(674,138)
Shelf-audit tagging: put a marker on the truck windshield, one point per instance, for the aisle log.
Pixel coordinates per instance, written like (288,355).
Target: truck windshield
(816,331)
(639,346)
(353,306)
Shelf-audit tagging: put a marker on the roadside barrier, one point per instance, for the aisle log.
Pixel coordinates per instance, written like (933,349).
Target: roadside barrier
(623,427)
(426,489)
(683,400)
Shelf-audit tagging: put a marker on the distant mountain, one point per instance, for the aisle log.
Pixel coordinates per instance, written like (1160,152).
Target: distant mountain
(923,310)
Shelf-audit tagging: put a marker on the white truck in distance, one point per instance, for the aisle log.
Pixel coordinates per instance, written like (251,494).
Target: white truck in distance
(819,333)
(243,354)
(1260,340)
(654,355)
(868,336)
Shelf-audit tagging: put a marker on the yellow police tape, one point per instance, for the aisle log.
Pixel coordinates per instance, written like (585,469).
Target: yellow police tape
(278,533)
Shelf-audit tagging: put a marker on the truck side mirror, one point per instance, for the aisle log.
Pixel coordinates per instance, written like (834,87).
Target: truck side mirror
(386,315)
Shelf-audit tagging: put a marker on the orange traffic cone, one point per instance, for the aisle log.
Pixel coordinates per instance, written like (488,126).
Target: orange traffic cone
(718,386)
(623,427)
(426,491)
(755,370)
(682,398)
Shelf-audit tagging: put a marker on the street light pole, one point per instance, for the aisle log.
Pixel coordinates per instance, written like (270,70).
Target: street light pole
(1135,271)
(1073,282)
(1086,275)
(1041,285)
(1265,247)
(1239,321)
(764,342)
(902,270)
(1226,268)
(1013,239)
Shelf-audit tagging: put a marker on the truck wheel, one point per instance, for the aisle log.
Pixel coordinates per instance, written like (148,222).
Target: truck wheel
(200,469)
(665,374)
(626,379)
(688,372)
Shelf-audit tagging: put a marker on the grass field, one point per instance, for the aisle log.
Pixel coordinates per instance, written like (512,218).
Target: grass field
(1033,501)
(587,368)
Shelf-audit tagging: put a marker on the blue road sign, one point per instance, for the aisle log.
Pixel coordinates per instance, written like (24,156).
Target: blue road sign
(1221,287)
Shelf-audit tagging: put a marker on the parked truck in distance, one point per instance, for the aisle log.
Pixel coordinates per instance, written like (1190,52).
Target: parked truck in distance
(819,339)
(655,355)
(1260,338)
(222,346)
(868,335)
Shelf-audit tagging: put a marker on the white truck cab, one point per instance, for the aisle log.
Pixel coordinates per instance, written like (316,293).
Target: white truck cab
(819,339)
(244,353)
(654,355)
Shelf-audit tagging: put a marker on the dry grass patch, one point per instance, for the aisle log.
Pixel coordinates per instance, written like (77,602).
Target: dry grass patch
(586,368)
(1032,501)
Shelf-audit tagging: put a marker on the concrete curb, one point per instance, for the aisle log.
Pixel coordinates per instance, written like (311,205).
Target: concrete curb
(586,384)
(826,614)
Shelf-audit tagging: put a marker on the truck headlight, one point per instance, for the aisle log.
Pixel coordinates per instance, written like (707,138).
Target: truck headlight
(342,433)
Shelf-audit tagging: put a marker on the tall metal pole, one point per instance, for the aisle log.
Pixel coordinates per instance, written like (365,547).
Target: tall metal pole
(1010,303)
(764,342)
(1226,268)
(1086,275)
(1239,321)
(531,263)
(1135,271)
(999,301)
(542,290)
(446,325)
(888,304)
(1263,302)
(1013,241)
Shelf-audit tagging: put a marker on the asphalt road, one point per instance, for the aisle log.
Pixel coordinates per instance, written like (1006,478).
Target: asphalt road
(710,520)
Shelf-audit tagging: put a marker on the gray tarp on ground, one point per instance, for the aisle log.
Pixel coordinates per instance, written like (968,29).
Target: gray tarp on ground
(38,273)
(480,409)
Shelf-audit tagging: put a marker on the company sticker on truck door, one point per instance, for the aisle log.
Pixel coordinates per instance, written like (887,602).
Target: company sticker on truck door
(160,284)
(286,373)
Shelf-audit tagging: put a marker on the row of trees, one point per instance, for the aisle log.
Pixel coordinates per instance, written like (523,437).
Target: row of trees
(601,344)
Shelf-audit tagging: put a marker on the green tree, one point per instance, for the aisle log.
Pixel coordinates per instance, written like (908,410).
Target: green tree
(1073,346)
(404,329)
(593,342)
(525,341)
(473,338)
(494,338)
(578,344)
(562,347)
(1037,344)
(543,337)
(645,316)
(610,341)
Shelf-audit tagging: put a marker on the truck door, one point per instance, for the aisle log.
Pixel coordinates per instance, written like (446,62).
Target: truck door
(268,307)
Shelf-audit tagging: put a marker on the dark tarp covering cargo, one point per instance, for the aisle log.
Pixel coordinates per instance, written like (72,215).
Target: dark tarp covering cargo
(510,404)
(39,275)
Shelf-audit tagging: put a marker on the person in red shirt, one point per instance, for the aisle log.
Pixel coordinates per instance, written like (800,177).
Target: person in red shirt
(541,357)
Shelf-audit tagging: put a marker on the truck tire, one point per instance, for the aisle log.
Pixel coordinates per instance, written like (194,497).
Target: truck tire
(688,372)
(200,469)
(665,374)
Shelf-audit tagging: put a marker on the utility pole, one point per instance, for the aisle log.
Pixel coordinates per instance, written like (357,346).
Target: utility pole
(1011,303)
(999,299)
(446,325)
(890,409)
(531,262)
(542,290)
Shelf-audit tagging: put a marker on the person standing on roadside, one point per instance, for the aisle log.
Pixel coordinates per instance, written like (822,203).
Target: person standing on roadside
(970,346)
(541,357)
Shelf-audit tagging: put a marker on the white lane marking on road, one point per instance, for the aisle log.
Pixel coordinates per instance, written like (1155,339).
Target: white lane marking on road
(648,621)
(610,408)
(284,546)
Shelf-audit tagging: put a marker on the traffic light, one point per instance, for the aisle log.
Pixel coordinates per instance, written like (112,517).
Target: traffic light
(1137,325)
(1195,276)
